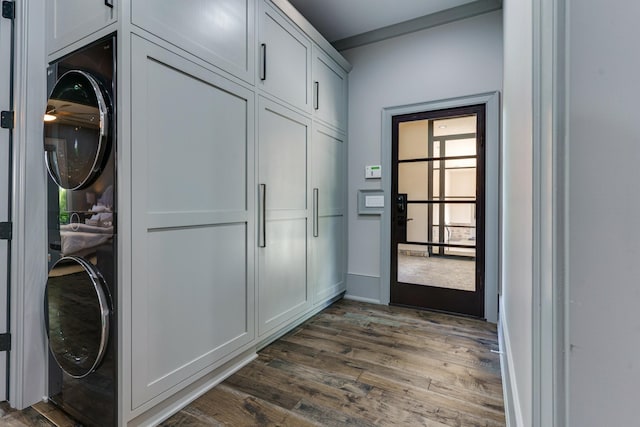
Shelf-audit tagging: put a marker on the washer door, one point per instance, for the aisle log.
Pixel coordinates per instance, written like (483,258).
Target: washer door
(76,128)
(77,315)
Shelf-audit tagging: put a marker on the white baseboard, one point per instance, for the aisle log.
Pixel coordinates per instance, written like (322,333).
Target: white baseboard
(512,409)
(181,399)
(362,299)
(366,288)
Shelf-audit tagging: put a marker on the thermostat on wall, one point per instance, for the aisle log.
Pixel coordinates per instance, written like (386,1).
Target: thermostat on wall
(374,171)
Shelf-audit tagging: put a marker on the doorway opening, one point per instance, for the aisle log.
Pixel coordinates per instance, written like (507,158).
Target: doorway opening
(437,215)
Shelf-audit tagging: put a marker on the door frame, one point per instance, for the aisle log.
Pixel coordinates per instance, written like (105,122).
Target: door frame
(7,52)
(491,101)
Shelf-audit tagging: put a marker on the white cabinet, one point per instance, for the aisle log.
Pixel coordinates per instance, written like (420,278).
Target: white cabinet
(192,220)
(329,213)
(221,32)
(71,20)
(283,215)
(329,90)
(283,67)
(224,243)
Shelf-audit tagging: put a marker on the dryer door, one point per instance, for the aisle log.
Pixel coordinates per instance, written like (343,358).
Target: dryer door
(77,315)
(76,130)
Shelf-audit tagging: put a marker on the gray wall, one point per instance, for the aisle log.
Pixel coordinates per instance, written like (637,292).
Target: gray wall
(452,60)
(604,212)
(517,222)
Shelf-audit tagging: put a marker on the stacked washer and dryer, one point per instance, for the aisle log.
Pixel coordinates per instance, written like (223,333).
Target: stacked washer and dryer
(81,291)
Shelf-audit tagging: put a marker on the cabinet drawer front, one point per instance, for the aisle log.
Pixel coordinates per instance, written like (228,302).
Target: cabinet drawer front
(221,32)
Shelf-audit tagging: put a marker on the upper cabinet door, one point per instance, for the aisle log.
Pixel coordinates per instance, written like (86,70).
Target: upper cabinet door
(71,20)
(221,32)
(329,90)
(284,60)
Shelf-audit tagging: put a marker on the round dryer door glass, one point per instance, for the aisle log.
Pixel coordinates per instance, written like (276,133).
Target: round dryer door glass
(76,127)
(77,315)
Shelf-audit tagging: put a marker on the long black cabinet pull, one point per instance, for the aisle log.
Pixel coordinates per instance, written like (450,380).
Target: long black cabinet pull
(263,59)
(316,94)
(316,207)
(262,212)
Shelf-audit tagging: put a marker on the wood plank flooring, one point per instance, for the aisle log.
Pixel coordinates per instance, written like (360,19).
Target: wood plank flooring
(354,364)
(359,364)
(26,418)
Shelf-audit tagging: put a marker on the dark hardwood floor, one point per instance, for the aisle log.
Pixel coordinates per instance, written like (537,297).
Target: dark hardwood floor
(359,364)
(355,364)
(27,418)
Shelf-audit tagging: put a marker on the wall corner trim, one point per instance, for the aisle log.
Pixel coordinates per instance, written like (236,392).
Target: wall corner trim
(512,408)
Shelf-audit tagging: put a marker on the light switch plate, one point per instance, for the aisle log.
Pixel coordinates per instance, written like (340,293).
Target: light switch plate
(370,202)
(374,201)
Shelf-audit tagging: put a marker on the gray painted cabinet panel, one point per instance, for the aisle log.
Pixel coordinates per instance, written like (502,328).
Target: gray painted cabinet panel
(328,240)
(329,90)
(191,228)
(283,143)
(283,67)
(219,31)
(71,20)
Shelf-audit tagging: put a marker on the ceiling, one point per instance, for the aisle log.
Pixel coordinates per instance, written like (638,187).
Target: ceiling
(340,19)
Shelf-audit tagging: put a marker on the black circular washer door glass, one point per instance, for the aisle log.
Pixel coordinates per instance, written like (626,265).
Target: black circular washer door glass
(76,127)
(77,314)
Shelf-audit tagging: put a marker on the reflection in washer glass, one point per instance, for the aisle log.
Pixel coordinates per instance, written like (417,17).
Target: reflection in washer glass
(75,130)
(77,314)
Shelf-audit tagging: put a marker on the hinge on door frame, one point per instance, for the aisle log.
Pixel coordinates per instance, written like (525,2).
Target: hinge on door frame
(9,9)
(6,230)
(6,119)
(5,342)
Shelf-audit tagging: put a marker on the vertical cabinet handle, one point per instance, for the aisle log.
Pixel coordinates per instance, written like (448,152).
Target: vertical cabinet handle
(315,212)
(108,3)
(262,216)
(263,60)
(316,93)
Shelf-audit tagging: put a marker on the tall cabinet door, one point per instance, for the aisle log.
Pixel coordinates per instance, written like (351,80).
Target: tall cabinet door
(283,141)
(284,69)
(328,213)
(192,223)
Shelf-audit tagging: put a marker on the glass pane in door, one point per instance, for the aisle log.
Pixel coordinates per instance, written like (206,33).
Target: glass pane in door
(415,266)
(437,172)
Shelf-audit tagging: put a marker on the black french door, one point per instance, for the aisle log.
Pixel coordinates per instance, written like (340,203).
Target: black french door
(437,222)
